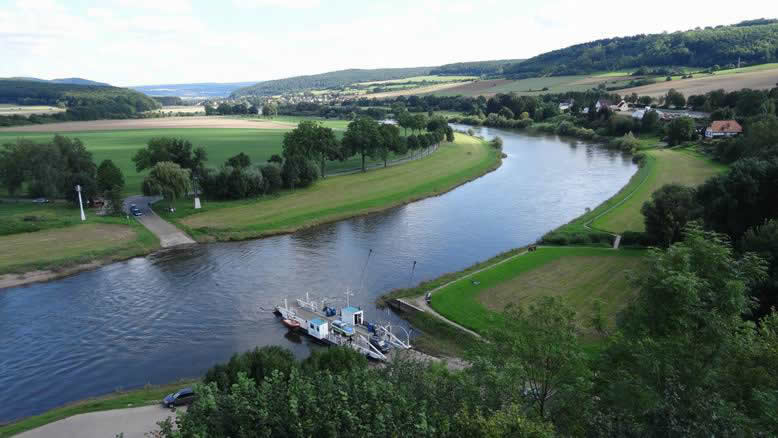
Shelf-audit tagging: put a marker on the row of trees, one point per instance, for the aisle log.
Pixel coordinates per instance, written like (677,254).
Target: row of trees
(54,168)
(679,361)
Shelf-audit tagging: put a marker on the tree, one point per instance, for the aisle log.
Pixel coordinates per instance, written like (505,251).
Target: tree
(680,130)
(12,165)
(362,137)
(269,110)
(109,177)
(506,112)
(675,98)
(666,373)
(763,240)
(391,141)
(419,122)
(311,140)
(649,122)
(115,200)
(668,211)
(271,175)
(168,179)
(176,150)
(240,161)
(275,158)
(405,120)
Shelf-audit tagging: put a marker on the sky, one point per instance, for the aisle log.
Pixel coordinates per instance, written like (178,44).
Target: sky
(145,42)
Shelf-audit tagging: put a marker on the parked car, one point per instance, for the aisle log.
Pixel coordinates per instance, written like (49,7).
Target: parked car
(343,328)
(40,201)
(183,397)
(380,344)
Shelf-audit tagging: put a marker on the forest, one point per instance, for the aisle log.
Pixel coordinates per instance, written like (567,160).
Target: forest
(334,79)
(475,68)
(752,42)
(83,102)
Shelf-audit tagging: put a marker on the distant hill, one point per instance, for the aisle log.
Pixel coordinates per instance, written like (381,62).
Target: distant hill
(72,81)
(83,102)
(333,79)
(192,91)
(753,42)
(475,68)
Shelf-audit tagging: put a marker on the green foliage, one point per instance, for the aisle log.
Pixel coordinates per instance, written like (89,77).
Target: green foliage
(333,79)
(699,47)
(763,241)
(233,183)
(478,68)
(240,161)
(256,364)
(363,137)
(675,98)
(109,177)
(271,175)
(176,150)
(312,141)
(680,130)
(668,211)
(168,179)
(649,122)
(496,142)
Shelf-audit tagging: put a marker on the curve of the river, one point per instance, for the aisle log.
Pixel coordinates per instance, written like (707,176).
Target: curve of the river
(176,313)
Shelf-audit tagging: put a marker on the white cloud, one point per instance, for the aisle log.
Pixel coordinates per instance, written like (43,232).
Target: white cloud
(291,4)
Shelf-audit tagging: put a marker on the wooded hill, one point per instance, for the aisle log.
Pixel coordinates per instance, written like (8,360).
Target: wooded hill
(475,68)
(752,42)
(334,79)
(84,102)
(72,81)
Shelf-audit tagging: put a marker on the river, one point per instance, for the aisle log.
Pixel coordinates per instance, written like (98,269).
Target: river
(176,313)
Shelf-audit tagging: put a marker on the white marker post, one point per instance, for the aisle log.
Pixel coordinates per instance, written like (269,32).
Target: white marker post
(196,197)
(80,203)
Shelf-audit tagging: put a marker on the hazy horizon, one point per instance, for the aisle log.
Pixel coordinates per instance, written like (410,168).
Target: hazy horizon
(131,43)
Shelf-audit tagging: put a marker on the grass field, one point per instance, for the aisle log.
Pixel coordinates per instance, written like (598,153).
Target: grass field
(344,196)
(422,79)
(220,143)
(151,394)
(580,275)
(763,76)
(26,110)
(663,166)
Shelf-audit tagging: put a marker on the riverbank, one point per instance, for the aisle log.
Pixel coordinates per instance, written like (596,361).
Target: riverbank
(334,199)
(46,242)
(148,395)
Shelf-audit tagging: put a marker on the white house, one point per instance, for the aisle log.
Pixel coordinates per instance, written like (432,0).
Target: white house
(318,328)
(723,128)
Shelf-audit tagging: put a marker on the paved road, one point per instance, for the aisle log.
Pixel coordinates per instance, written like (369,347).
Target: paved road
(168,234)
(133,422)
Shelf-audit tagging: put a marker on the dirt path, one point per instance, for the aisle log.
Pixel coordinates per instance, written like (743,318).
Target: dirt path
(160,123)
(132,422)
(168,234)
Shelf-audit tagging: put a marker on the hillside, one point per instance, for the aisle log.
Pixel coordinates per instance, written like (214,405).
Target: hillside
(333,79)
(475,68)
(71,81)
(83,102)
(752,42)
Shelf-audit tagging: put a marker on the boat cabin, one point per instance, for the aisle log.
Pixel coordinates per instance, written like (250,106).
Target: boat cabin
(352,315)
(318,328)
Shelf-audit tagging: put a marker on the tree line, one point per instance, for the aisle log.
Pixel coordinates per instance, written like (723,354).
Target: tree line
(54,168)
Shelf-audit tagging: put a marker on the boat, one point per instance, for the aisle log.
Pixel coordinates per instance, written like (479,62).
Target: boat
(290,324)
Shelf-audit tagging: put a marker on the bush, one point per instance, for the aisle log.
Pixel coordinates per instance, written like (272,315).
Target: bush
(635,238)
(639,159)
(627,143)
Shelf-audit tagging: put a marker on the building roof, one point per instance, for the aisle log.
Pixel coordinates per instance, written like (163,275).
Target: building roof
(350,309)
(317,321)
(726,126)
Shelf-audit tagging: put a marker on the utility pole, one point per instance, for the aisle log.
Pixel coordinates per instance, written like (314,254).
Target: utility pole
(80,202)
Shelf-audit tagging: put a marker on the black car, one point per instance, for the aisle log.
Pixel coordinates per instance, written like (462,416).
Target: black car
(183,397)
(135,211)
(379,344)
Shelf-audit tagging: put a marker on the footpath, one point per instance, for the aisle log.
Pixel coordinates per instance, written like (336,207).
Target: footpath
(131,422)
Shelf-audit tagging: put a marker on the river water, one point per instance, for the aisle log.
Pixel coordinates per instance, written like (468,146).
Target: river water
(176,313)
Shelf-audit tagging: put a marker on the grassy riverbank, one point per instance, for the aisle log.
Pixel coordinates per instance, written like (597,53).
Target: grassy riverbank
(147,395)
(52,237)
(341,197)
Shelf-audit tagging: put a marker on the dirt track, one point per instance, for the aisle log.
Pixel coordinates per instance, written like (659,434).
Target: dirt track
(170,122)
(132,422)
(700,85)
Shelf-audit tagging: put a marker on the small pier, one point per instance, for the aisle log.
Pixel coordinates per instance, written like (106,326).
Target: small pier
(316,320)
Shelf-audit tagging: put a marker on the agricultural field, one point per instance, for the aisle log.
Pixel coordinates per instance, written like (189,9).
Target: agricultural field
(26,110)
(530,86)
(580,275)
(422,79)
(188,109)
(763,76)
(341,197)
(663,166)
(222,138)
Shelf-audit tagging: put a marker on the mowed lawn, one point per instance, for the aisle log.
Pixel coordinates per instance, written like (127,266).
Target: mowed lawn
(72,245)
(342,196)
(580,275)
(666,166)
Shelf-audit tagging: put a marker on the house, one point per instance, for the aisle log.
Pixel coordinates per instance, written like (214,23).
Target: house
(621,106)
(723,128)
(566,104)
(601,103)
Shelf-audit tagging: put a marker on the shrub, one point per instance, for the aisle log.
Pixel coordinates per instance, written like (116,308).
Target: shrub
(271,176)
(627,143)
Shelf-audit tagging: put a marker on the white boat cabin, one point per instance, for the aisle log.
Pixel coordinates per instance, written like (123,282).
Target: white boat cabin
(352,315)
(318,328)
